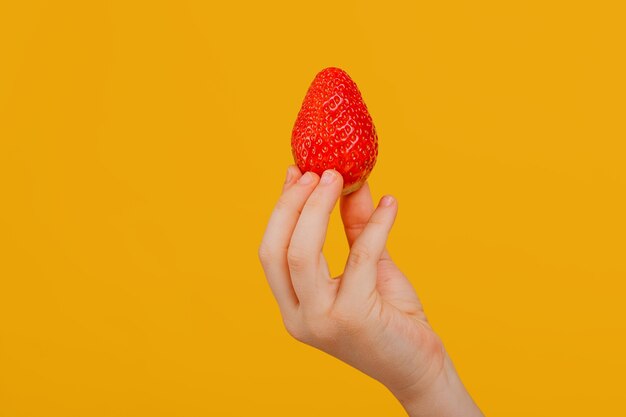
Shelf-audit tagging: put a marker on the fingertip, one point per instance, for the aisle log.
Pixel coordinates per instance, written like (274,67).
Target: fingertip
(331,176)
(308,178)
(294,170)
(387,201)
(339,177)
(293,175)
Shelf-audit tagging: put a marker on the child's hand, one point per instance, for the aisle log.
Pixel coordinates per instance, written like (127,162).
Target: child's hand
(370,316)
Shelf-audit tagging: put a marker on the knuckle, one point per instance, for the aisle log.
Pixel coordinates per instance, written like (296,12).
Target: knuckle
(356,226)
(316,329)
(264,253)
(377,222)
(294,329)
(282,203)
(346,319)
(359,255)
(320,332)
(297,258)
(315,203)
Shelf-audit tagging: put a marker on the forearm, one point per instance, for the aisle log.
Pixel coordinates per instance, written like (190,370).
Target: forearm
(446,397)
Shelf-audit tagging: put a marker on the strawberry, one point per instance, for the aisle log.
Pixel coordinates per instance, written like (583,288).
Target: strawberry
(334,130)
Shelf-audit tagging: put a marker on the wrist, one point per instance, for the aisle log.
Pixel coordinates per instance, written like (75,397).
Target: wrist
(445,396)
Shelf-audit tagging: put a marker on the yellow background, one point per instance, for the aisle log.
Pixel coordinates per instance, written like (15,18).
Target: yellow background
(142,145)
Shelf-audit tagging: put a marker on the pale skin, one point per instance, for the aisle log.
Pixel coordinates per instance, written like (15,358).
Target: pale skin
(370,316)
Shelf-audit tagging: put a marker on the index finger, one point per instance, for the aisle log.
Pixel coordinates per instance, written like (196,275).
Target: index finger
(273,249)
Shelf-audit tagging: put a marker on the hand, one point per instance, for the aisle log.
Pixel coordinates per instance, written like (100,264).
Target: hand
(370,316)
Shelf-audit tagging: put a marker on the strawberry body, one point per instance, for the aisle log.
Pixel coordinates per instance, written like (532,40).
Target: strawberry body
(335,130)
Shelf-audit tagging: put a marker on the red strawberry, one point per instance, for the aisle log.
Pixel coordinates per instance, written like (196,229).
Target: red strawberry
(334,130)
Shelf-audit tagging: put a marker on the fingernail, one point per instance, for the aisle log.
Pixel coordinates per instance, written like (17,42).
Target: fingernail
(307,178)
(328,176)
(386,201)
(289,175)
